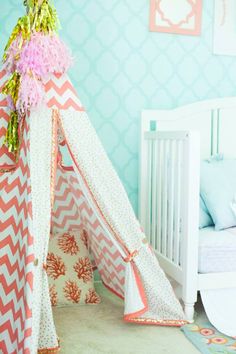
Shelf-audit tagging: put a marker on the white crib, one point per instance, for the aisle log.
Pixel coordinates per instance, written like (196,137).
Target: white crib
(172,144)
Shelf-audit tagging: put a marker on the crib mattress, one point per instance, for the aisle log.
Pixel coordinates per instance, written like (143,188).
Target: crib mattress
(217,250)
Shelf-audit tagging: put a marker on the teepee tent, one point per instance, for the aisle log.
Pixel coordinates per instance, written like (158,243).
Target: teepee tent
(38,193)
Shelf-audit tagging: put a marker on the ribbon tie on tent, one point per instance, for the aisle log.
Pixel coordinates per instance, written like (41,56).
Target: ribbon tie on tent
(134,254)
(131,256)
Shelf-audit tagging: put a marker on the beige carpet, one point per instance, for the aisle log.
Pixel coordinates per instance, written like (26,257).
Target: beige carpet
(100,329)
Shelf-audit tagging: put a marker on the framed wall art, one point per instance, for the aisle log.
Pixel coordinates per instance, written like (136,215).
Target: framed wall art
(224,39)
(178,16)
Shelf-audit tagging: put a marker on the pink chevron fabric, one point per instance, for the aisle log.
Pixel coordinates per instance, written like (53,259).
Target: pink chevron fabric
(16,256)
(61,94)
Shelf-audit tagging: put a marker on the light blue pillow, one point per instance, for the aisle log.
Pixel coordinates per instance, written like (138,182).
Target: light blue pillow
(205,219)
(218,189)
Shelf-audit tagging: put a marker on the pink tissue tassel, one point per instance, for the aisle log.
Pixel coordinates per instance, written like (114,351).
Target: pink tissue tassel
(31,93)
(41,56)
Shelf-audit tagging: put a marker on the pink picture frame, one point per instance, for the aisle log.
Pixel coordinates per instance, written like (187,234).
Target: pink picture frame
(180,17)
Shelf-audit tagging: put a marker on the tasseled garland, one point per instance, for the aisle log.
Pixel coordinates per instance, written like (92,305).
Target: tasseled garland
(39,18)
(33,52)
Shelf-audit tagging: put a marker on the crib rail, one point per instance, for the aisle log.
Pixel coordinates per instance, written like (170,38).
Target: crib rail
(168,193)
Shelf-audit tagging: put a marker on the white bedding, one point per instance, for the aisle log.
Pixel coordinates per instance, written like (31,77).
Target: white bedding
(217,250)
(217,253)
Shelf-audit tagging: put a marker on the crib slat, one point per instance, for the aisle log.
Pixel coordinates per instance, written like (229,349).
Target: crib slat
(159,194)
(171,177)
(154,192)
(164,197)
(177,204)
(149,190)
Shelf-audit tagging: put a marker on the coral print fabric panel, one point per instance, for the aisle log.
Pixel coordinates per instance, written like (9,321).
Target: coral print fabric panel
(178,16)
(69,270)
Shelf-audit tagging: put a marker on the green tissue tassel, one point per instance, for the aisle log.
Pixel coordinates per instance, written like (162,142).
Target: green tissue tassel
(12,137)
(22,27)
(12,86)
(44,17)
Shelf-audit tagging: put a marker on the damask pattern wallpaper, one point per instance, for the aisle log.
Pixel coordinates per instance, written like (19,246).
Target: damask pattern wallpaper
(121,68)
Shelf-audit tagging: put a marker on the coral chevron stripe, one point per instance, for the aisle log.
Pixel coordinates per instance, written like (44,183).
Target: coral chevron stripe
(16,184)
(18,315)
(53,102)
(3,102)
(10,335)
(12,288)
(2,74)
(3,347)
(67,86)
(4,115)
(14,268)
(61,94)
(2,132)
(6,158)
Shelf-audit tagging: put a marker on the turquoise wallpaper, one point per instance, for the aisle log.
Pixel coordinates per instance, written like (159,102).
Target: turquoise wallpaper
(121,68)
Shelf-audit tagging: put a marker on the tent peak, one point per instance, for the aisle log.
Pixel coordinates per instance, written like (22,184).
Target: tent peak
(33,52)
